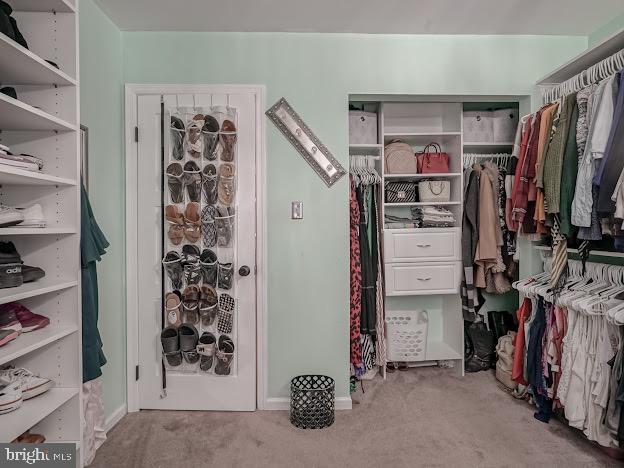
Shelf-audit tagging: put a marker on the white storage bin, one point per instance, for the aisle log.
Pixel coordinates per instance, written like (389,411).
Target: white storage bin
(504,124)
(478,127)
(406,335)
(362,128)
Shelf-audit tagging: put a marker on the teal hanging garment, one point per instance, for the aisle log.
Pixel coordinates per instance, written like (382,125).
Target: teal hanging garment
(92,246)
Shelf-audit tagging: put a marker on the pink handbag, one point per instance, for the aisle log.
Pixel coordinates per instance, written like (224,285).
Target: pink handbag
(432,160)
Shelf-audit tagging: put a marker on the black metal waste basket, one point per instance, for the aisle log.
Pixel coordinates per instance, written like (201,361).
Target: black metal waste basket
(312,401)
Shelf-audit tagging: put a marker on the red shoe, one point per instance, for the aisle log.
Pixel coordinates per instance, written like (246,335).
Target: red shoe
(29,320)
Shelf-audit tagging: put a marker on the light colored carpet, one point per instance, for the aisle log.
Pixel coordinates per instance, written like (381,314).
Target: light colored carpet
(423,417)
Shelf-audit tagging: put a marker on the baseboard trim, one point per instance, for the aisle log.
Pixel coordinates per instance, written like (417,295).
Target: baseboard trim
(283,404)
(115,417)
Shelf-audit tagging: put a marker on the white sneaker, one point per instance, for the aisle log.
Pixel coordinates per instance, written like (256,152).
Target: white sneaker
(10,397)
(10,216)
(33,216)
(30,384)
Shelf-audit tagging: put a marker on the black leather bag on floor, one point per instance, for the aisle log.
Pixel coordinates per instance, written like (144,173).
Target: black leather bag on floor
(479,348)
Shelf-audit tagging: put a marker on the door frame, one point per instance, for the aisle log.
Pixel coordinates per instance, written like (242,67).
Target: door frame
(132,91)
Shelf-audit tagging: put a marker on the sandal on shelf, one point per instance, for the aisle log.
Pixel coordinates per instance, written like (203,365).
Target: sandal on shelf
(190,254)
(190,304)
(176,224)
(194,138)
(225,226)
(175,233)
(177,138)
(174,181)
(192,273)
(170,341)
(209,184)
(228,140)
(173,308)
(188,342)
(208,305)
(226,313)
(192,226)
(192,181)
(225,355)
(210,133)
(208,227)
(226,187)
(174,215)
(206,350)
(173,267)
(225,273)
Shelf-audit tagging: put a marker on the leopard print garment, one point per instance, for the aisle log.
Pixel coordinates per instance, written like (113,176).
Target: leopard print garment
(356,282)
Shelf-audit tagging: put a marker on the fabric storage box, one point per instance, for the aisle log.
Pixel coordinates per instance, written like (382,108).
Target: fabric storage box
(478,126)
(434,190)
(504,125)
(406,335)
(400,192)
(362,128)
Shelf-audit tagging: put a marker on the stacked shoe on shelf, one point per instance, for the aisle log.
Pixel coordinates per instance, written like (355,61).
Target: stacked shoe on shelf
(20,161)
(12,271)
(30,217)
(199,307)
(19,384)
(16,319)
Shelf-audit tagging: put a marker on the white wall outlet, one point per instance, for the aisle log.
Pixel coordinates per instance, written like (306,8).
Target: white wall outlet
(297,210)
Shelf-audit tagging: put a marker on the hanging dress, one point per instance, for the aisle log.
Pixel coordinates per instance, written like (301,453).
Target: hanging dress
(355,281)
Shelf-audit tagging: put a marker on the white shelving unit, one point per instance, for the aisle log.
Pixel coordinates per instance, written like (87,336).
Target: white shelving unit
(44,121)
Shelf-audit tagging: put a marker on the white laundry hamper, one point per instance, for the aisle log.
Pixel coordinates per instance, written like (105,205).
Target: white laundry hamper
(406,335)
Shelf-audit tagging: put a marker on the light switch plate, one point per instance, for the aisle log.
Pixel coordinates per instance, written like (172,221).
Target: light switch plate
(297,210)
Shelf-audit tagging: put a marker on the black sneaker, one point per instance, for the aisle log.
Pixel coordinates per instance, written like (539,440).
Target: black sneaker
(11,275)
(31,273)
(9,254)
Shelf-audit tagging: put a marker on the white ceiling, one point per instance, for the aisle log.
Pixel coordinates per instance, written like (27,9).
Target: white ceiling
(560,17)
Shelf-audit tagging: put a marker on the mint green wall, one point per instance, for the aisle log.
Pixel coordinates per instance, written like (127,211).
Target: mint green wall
(613,26)
(308,260)
(101,110)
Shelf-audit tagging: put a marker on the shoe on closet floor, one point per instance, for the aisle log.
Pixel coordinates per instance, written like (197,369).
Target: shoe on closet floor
(33,216)
(10,397)
(28,319)
(170,341)
(10,216)
(31,385)
(28,438)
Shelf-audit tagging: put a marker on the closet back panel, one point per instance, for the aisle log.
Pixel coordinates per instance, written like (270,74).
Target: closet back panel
(421,117)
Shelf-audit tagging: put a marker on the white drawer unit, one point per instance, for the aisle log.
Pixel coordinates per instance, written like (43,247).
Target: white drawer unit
(412,279)
(417,245)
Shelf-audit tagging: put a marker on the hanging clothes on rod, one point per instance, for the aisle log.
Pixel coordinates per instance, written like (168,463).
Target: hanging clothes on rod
(569,349)
(488,246)
(366,315)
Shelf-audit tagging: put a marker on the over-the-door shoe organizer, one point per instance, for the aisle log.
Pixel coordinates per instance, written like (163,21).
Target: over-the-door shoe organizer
(199,251)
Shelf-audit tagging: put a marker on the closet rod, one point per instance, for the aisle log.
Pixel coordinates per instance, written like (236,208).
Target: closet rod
(597,72)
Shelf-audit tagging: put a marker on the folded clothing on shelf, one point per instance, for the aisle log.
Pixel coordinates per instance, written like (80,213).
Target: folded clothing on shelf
(398,222)
(21,161)
(433,216)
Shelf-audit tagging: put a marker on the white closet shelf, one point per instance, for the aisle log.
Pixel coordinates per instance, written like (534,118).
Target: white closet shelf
(17,115)
(32,411)
(29,342)
(55,230)
(424,203)
(59,6)
(595,253)
(422,139)
(487,146)
(14,176)
(37,288)
(366,146)
(439,351)
(422,176)
(420,134)
(20,66)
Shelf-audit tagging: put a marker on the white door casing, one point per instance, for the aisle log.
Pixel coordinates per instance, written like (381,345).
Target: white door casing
(193,391)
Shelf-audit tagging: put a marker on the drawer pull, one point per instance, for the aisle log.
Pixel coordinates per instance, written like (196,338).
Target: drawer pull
(424,279)
(423,245)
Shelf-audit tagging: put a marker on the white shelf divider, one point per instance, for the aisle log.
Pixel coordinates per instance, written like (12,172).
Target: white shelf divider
(36,288)
(31,341)
(449,203)
(10,175)
(34,231)
(17,115)
(34,410)
(43,6)
(20,65)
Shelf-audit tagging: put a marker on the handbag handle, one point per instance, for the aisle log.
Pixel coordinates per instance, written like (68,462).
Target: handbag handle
(440,185)
(436,148)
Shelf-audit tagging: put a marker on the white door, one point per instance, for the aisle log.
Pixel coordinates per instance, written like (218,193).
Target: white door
(191,384)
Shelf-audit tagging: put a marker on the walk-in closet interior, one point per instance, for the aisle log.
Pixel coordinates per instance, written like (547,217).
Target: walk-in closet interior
(311,234)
